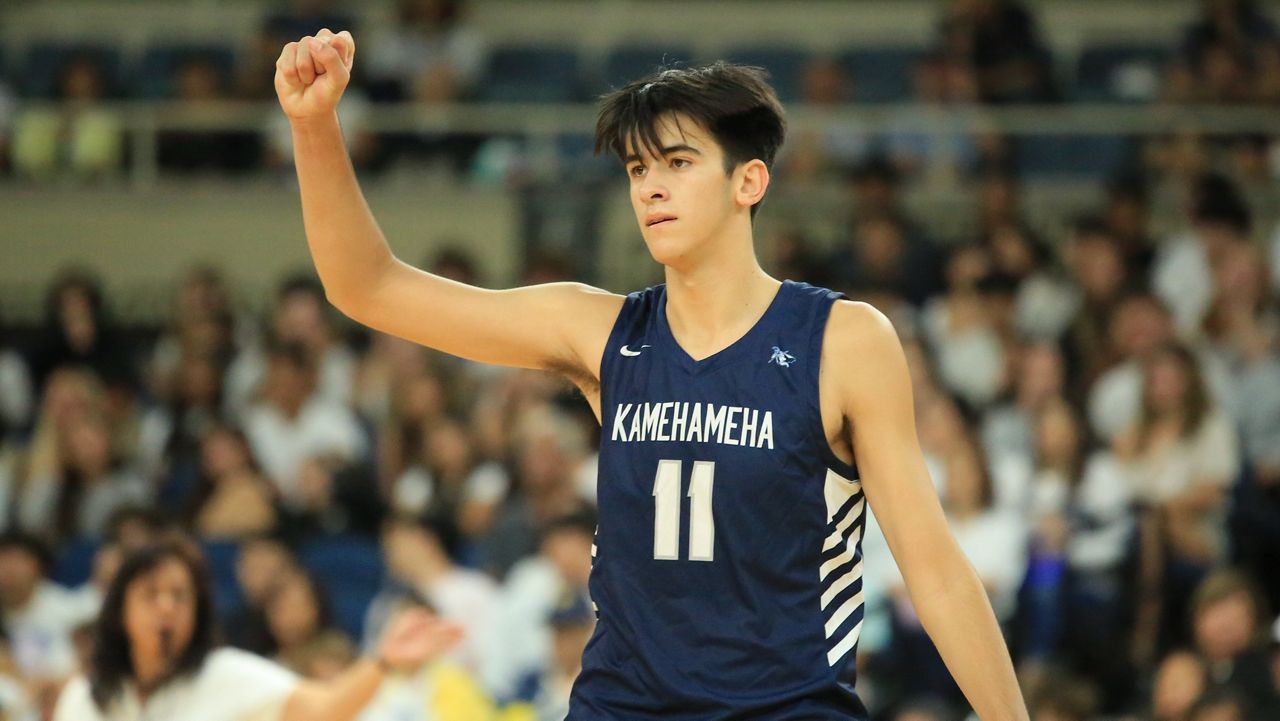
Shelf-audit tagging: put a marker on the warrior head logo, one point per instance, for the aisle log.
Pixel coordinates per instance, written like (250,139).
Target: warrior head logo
(781,357)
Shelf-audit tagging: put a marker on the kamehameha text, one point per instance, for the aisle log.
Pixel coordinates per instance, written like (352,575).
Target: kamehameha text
(693,423)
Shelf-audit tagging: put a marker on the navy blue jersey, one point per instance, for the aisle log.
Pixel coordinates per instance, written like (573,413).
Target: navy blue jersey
(727,571)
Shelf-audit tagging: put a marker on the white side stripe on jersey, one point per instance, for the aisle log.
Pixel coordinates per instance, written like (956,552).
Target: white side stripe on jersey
(846,534)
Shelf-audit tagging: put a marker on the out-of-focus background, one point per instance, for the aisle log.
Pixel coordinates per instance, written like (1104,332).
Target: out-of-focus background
(1069,208)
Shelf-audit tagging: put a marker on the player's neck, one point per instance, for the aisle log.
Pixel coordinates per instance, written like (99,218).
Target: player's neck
(712,304)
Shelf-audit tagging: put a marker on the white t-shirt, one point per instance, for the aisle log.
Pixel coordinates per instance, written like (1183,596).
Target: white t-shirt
(231,685)
(282,444)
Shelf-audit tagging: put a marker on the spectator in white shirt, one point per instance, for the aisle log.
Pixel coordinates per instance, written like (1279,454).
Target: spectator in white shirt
(38,614)
(418,557)
(154,656)
(292,422)
(1181,457)
(301,315)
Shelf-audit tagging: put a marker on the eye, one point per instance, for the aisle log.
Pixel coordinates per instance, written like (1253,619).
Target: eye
(636,171)
(680,162)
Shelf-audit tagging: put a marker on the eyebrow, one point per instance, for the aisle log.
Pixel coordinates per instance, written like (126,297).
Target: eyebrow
(669,150)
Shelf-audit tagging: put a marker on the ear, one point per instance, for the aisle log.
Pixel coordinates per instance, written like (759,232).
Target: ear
(751,182)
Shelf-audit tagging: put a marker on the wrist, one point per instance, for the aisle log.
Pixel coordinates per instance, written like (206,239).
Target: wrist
(309,125)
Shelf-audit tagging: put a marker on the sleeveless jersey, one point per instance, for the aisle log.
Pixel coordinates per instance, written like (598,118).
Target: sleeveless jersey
(727,565)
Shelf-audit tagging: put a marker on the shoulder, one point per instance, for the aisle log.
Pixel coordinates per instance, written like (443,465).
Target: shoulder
(230,668)
(856,329)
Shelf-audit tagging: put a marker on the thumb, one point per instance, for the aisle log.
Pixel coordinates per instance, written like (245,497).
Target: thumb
(330,61)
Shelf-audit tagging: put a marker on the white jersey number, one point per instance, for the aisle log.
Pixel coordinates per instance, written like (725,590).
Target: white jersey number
(666,511)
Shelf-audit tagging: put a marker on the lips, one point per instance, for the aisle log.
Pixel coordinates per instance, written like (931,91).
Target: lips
(658,219)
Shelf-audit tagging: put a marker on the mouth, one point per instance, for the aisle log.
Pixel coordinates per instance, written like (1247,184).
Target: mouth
(658,220)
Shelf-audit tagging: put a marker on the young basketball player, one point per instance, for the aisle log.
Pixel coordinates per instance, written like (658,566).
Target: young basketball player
(746,422)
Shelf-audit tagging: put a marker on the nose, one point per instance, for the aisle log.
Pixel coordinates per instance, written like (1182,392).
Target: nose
(652,190)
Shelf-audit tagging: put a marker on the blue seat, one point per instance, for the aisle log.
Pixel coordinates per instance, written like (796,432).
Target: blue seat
(883,74)
(73,564)
(1072,156)
(1120,72)
(221,558)
(351,571)
(624,64)
(154,75)
(529,74)
(45,63)
(786,67)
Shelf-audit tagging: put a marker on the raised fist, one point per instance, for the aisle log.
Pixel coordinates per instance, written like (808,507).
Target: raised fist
(312,73)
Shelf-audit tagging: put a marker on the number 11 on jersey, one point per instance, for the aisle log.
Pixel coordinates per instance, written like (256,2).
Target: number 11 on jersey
(666,507)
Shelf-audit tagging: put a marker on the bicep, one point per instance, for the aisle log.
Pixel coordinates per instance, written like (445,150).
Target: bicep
(541,327)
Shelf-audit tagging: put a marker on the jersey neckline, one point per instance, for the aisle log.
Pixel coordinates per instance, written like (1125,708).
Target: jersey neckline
(730,352)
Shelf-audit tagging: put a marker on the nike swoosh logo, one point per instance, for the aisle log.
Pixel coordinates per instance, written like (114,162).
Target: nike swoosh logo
(630,353)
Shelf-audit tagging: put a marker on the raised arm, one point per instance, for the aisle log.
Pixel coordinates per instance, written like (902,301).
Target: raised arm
(413,637)
(561,326)
(875,391)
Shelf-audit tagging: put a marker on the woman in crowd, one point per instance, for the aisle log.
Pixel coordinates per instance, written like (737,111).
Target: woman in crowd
(1180,458)
(156,656)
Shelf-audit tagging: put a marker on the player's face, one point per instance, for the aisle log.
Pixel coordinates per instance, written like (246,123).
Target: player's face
(683,197)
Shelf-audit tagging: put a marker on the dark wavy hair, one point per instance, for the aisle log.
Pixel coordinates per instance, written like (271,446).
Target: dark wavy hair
(112,652)
(734,103)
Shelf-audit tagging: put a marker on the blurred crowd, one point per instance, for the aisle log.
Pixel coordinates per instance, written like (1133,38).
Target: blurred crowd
(984,52)
(1099,408)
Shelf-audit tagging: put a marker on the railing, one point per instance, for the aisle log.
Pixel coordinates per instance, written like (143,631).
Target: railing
(542,123)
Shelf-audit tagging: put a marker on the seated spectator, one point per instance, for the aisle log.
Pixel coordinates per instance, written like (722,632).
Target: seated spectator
(1180,457)
(334,497)
(1078,585)
(198,87)
(450,480)
(572,623)
(293,421)
(549,447)
(78,137)
(533,590)
(38,614)
(1220,52)
(832,151)
(917,145)
(881,256)
(1008,428)
(1180,679)
(999,39)
(302,316)
(170,435)
(1230,625)
(1183,272)
(297,613)
(262,561)
(969,349)
(90,484)
(202,322)
(430,55)
(419,559)
(1064,700)
(1138,327)
(77,331)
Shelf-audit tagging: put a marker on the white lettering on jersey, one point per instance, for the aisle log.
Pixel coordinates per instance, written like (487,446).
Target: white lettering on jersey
(675,421)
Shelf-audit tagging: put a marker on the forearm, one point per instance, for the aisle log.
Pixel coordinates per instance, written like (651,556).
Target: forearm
(954,610)
(341,699)
(346,245)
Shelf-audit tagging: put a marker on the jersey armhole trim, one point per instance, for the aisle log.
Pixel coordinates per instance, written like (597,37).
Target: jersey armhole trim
(819,333)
